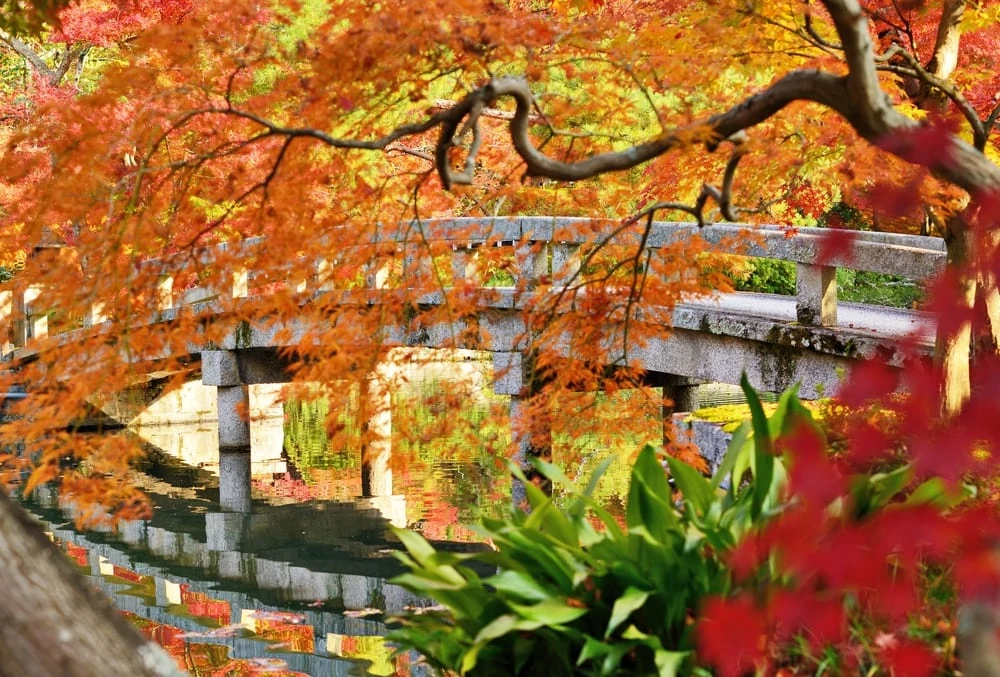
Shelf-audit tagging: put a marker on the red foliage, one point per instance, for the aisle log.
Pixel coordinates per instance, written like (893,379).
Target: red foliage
(732,635)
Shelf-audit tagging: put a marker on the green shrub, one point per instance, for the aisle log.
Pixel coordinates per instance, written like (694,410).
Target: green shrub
(769,276)
(572,598)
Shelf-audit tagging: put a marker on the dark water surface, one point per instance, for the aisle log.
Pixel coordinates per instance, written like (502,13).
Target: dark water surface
(299,584)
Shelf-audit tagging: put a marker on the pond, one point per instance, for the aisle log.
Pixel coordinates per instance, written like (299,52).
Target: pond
(299,584)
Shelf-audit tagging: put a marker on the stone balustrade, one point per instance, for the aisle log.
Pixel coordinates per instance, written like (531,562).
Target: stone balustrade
(545,251)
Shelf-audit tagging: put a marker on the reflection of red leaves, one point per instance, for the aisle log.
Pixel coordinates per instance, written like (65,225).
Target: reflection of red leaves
(731,635)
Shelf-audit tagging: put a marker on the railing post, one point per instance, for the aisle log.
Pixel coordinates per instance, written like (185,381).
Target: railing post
(6,322)
(95,314)
(464,267)
(241,283)
(532,262)
(165,293)
(324,274)
(565,262)
(38,323)
(816,295)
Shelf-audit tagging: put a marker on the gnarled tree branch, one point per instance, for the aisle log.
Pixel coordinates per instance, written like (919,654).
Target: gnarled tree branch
(858,97)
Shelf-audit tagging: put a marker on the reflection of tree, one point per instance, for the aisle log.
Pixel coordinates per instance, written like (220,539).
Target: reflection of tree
(449,450)
(369,648)
(598,426)
(449,441)
(315,439)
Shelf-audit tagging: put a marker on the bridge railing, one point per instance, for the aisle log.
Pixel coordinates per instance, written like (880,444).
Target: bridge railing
(545,250)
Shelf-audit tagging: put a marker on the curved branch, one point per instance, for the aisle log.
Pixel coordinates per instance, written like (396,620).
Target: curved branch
(857,97)
(929,79)
(869,111)
(29,55)
(808,85)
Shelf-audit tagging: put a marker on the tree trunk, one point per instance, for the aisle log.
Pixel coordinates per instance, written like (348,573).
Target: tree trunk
(989,295)
(53,622)
(954,343)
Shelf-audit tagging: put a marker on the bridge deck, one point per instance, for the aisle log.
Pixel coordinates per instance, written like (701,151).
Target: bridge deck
(878,321)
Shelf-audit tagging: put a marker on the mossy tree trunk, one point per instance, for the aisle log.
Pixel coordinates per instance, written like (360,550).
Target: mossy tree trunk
(53,622)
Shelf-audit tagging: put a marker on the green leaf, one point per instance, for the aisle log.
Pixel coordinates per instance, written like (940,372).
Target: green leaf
(416,545)
(550,612)
(885,486)
(496,628)
(736,446)
(669,662)
(763,458)
(596,476)
(649,499)
(632,599)
(592,649)
(695,488)
(519,585)
(937,492)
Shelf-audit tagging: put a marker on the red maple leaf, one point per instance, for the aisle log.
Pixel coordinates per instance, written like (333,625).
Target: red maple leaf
(731,635)
(893,201)
(909,658)
(812,476)
(836,244)
(927,145)
(868,381)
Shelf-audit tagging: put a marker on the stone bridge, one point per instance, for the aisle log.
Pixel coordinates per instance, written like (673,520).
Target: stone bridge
(808,338)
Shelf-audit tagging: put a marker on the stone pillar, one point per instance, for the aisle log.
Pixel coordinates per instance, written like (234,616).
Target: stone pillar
(7,322)
(38,321)
(224,531)
(220,368)
(528,439)
(680,393)
(375,416)
(816,295)
(234,480)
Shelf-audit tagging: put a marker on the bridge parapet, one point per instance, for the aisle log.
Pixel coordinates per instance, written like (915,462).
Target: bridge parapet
(544,250)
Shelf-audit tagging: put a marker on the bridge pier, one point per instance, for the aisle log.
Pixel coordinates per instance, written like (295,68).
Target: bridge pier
(375,413)
(529,438)
(220,368)
(233,371)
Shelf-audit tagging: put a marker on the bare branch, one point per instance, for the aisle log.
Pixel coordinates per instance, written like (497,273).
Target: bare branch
(930,80)
(29,55)
(818,39)
(69,58)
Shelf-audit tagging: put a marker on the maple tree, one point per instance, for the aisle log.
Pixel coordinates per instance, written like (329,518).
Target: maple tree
(325,126)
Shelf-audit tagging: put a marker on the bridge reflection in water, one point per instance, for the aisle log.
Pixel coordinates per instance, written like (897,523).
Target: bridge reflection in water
(215,628)
(213,584)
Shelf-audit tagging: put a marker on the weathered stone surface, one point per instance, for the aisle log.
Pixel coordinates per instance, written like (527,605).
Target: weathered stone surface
(219,368)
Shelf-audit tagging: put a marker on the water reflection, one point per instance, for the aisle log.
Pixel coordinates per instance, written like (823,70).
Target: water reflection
(211,630)
(448,461)
(216,587)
